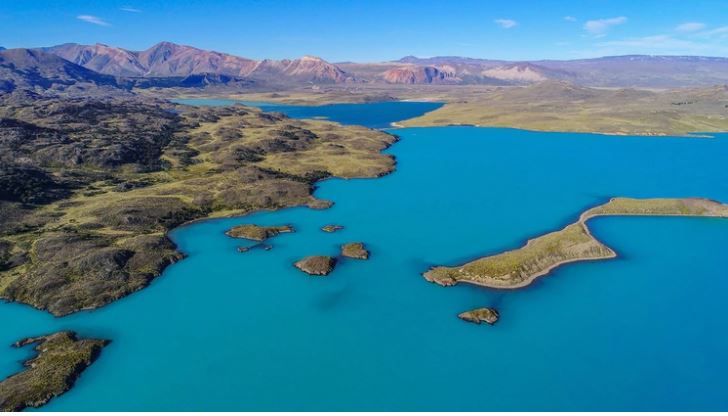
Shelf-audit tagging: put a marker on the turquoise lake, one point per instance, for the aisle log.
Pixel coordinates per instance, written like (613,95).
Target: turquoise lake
(224,330)
(375,115)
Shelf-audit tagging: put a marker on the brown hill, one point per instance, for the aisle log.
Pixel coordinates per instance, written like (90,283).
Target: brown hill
(167,59)
(30,69)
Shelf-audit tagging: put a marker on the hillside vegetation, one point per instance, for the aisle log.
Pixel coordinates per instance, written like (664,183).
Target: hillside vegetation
(90,187)
(558,106)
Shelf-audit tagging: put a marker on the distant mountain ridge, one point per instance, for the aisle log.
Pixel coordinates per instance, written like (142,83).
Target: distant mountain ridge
(167,59)
(29,69)
(610,71)
(168,64)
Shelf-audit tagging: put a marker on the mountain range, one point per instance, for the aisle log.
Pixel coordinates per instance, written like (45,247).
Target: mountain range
(167,59)
(168,64)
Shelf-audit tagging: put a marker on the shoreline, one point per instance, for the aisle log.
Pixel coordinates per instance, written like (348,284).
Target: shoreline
(692,135)
(457,274)
(360,161)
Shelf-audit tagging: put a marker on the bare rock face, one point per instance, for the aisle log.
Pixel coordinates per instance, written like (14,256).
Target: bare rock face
(355,251)
(410,74)
(316,265)
(488,315)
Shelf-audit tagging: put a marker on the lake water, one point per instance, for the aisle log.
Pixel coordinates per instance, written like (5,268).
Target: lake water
(375,115)
(224,330)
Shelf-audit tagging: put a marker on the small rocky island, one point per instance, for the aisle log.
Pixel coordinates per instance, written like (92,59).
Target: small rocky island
(60,360)
(316,265)
(520,267)
(258,232)
(477,316)
(355,251)
(332,228)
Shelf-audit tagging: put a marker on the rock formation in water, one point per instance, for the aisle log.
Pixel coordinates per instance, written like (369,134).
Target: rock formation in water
(488,315)
(316,265)
(355,251)
(258,232)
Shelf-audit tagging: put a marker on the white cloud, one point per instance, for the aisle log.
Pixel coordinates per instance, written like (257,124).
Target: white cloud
(506,23)
(93,19)
(653,42)
(600,26)
(720,33)
(570,18)
(130,9)
(653,45)
(688,27)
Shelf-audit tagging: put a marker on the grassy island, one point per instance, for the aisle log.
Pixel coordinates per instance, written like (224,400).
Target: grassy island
(61,359)
(258,232)
(84,218)
(520,267)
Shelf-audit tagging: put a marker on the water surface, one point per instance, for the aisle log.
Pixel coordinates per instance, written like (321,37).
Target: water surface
(375,115)
(224,330)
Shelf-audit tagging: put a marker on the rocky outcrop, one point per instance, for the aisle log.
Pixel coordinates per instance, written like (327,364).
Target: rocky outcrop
(316,265)
(60,360)
(410,74)
(477,316)
(332,228)
(257,232)
(355,251)
(518,73)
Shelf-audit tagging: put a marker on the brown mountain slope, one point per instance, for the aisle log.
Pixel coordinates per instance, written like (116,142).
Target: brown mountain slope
(411,74)
(35,69)
(167,59)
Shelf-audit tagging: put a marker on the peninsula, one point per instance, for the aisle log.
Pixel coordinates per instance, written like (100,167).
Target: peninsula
(60,360)
(520,267)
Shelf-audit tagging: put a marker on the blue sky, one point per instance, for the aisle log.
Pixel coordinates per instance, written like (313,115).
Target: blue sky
(377,30)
